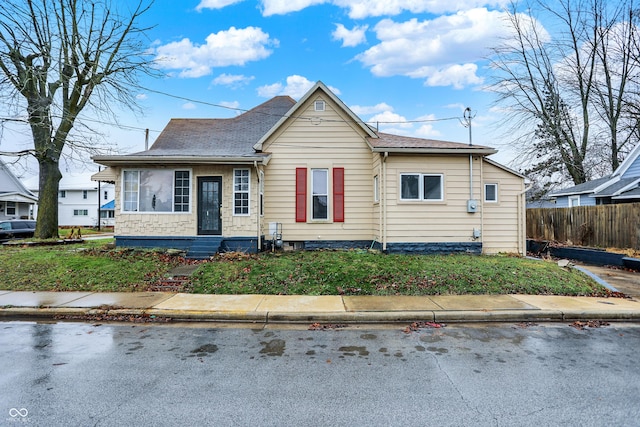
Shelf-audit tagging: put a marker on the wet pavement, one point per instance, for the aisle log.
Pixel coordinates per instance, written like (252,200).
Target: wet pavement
(525,374)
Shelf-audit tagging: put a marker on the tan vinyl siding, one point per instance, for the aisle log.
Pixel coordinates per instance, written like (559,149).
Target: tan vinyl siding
(502,231)
(323,140)
(432,221)
(185,224)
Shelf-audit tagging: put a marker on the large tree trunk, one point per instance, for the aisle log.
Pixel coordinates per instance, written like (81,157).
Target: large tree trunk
(47,221)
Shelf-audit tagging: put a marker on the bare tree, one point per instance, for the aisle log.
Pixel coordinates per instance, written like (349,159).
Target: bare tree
(618,67)
(565,90)
(58,58)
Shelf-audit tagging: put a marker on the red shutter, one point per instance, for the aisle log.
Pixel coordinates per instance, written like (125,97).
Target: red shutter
(338,194)
(301,194)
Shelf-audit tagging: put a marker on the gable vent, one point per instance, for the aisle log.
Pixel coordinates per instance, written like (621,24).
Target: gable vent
(319,105)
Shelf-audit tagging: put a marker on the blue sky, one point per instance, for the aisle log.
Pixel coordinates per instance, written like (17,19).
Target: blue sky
(404,63)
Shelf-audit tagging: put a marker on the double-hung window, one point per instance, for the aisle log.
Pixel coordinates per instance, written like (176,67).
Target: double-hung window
(11,208)
(156,190)
(241,180)
(418,186)
(320,193)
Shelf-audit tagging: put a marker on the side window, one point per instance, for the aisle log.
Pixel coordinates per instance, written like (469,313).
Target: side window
(491,193)
(415,186)
(432,187)
(410,186)
(574,201)
(376,189)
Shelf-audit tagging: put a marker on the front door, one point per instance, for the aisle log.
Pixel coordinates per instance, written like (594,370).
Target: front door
(210,205)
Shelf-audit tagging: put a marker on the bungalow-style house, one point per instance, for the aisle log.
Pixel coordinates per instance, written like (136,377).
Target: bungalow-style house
(16,202)
(79,199)
(308,175)
(622,186)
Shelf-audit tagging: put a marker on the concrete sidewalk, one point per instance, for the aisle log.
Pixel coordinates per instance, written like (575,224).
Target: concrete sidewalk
(317,309)
(334,309)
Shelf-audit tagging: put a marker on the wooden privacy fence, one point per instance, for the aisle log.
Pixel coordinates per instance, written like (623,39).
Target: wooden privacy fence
(601,226)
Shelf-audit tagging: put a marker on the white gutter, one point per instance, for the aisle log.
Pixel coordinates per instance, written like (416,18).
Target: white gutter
(465,150)
(191,160)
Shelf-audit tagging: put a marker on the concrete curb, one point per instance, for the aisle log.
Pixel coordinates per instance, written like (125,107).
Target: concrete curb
(329,317)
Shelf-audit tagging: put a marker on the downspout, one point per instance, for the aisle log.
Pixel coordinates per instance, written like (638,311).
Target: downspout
(383,201)
(522,246)
(481,202)
(258,225)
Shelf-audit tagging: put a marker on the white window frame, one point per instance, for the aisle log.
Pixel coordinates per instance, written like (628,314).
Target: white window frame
(80,212)
(10,210)
(319,105)
(261,190)
(573,201)
(491,184)
(376,189)
(315,194)
(421,197)
(240,187)
(132,205)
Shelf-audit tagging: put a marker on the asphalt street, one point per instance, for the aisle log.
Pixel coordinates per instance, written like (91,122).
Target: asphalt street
(81,374)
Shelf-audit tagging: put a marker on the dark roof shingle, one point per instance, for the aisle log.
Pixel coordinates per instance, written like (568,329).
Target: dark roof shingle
(232,137)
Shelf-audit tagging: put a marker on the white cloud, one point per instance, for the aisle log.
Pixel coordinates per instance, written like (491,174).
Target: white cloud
(230,104)
(225,48)
(352,37)
(387,118)
(215,4)
(295,87)
(442,50)
(373,109)
(455,75)
(189,106)
(282,7)
(427,131)
(232,80)
(141,96)
(359,9)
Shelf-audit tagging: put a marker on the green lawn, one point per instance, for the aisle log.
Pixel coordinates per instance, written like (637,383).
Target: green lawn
(94,267)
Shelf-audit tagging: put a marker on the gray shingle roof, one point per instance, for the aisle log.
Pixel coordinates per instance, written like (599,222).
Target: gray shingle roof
(631,194)
(232,137)
(615,187)
(586,187)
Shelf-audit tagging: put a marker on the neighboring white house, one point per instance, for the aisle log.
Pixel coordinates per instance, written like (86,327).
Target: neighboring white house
(15,200)
(79,199)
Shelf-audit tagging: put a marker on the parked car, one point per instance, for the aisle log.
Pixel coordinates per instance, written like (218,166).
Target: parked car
(16,229)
